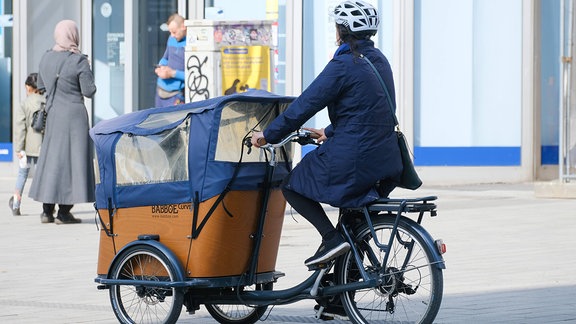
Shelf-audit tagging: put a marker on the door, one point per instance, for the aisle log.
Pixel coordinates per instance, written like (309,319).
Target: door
(129,37)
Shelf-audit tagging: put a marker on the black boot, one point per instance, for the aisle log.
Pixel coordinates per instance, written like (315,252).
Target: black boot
(47,213)
(67,219)
(64,215)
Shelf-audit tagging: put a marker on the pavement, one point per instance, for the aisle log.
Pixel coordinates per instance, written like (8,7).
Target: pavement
(511,258)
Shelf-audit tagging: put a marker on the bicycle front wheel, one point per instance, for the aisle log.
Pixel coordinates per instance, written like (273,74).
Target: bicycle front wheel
(139,303)
(412,287)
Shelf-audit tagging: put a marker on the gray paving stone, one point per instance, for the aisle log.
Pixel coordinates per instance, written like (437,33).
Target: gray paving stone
(511,259)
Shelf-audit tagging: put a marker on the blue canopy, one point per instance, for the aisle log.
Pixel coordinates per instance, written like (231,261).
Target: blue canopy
(184,153)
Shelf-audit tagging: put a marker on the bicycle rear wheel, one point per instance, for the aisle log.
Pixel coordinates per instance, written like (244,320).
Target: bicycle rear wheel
(412,287)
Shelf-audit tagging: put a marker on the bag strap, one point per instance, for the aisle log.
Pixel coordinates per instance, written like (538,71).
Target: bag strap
(56,80)
(387,96)
(383,86)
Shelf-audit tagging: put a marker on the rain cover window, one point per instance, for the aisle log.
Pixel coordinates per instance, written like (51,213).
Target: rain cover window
(153,158)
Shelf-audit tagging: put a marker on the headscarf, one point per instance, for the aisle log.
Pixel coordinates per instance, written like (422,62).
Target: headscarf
(66,37)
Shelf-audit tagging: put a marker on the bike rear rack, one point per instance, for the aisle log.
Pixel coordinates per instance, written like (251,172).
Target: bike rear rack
(399,207)
(404,205)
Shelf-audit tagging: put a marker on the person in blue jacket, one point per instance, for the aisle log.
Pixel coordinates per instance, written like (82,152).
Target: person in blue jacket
(170,69)
(360,146)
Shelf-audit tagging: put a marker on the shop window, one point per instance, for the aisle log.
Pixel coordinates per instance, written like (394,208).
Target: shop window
(467,83)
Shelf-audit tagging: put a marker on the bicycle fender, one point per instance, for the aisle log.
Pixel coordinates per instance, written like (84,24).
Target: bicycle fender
(179,270)
(428,240)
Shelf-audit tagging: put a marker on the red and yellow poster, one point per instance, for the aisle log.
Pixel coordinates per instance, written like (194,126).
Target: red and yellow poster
(244,68)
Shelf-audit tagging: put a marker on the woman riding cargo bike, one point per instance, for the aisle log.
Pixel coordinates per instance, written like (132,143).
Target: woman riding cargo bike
(359,146)
(191,214)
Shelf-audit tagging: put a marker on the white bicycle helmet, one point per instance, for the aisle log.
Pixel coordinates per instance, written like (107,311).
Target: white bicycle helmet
(358,16)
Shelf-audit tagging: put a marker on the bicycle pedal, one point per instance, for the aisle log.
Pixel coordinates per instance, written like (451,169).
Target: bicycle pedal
(321,315)
(325,314)
(331,317)
(326,318)
(317,266)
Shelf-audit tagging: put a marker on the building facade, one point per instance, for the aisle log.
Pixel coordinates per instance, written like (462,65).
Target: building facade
(479,83)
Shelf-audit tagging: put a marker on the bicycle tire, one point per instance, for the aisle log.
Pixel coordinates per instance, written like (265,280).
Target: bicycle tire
(141,304)
(410,293)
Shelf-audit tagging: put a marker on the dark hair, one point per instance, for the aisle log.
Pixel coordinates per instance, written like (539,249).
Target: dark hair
(32,80)
(346,36)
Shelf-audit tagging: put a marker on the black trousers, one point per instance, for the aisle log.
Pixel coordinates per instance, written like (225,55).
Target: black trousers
(62,209)
(311,210)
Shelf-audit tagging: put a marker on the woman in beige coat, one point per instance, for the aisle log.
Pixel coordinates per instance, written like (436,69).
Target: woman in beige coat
(26,140)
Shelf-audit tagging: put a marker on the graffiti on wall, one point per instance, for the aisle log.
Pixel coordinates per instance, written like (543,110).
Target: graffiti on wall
(197,81)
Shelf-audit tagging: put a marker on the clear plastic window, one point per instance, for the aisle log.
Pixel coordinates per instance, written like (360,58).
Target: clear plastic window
(155,158)
(163,119)
(239,119)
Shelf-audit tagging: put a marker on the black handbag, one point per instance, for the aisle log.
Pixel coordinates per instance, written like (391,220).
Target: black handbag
(409,178)
(39,119)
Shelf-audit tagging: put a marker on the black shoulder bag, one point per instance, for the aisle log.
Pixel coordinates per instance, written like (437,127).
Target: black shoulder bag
(409,179)
(39,116)
(39,119)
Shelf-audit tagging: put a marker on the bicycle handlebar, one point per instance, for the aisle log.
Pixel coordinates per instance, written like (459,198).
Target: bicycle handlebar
(301,136)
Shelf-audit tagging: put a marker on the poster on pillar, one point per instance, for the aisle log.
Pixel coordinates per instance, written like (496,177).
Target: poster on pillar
(245,68)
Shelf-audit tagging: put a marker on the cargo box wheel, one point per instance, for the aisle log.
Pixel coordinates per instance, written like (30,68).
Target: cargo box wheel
(141,303)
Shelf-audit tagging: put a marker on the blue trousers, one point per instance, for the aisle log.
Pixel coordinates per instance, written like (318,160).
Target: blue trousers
(21,179)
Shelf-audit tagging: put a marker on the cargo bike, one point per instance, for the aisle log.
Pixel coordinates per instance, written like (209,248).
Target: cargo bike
(190,215)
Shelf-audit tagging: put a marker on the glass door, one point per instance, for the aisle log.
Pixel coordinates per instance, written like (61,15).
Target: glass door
(150,18)
(129,37)
(109,58)
(5,79)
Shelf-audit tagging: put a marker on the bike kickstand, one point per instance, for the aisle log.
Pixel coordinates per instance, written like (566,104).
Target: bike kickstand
(314,290)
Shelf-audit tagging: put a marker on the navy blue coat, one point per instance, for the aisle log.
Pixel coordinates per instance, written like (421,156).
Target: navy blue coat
(362,147)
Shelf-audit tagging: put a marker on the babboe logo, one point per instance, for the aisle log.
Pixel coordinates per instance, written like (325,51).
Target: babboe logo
(165,209)
(169,211)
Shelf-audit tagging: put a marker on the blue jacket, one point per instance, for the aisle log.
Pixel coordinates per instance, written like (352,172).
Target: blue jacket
(174,58)
(362,146)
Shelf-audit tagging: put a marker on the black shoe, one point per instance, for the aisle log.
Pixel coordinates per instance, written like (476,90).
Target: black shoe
(67,218)
(329,250)
(46,218)
(16,212)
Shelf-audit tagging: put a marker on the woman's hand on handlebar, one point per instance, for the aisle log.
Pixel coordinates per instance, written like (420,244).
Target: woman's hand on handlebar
(258,139)
(317,134)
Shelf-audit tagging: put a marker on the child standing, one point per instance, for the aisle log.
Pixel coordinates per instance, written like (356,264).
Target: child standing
(26,140)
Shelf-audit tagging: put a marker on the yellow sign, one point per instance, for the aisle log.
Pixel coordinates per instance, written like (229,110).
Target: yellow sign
(244,68)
